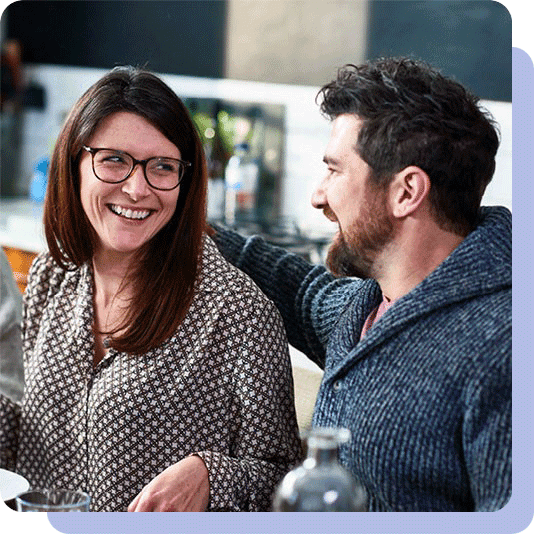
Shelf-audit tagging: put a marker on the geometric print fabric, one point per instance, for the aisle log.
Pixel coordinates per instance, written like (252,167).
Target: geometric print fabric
(220,387)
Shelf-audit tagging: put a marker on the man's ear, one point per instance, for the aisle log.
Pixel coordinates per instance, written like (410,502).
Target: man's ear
(408,189)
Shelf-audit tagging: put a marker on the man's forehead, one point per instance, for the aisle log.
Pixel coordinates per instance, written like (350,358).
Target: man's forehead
(347,120)
(343,137)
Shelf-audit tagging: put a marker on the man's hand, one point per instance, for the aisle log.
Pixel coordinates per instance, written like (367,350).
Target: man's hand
(182,487)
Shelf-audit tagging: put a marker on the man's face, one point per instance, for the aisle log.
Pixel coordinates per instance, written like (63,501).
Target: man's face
(360,209)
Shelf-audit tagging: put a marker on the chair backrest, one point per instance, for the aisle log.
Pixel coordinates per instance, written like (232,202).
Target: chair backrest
(306,383)
(20,261)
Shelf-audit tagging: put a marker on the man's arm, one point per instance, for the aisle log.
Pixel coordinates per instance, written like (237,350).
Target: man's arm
(487,432)
(309,298)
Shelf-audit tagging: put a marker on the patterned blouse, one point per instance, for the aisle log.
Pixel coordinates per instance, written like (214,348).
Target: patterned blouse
(220,388)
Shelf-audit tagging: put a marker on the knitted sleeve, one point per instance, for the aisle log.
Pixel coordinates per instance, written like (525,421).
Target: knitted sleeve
(487,432)
(309,299)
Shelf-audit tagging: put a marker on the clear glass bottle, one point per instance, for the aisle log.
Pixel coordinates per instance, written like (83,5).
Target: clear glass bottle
(320,483)
(241,182)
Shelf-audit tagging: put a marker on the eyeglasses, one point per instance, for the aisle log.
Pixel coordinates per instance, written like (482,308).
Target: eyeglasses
(115,166)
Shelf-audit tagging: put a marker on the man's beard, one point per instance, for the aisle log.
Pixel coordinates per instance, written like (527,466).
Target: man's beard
(353,252)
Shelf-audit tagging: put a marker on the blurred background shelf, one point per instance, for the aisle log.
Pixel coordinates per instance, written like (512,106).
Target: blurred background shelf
(246,56)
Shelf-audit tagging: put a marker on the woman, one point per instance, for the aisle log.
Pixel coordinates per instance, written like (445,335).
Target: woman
(157,375)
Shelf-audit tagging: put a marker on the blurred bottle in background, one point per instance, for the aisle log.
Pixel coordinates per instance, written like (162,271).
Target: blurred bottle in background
(204,115)
(39,180)
(216,160)
(241,184)
(321,484)
(254,134)
(11,98)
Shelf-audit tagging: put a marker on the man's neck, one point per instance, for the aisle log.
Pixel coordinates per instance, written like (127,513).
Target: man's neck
(411,257)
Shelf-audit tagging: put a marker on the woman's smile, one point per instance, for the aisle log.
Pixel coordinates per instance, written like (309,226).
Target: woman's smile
(130,213)
(127,214)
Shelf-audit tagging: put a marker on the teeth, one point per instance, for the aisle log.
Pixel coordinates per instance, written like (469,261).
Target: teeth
(128,213)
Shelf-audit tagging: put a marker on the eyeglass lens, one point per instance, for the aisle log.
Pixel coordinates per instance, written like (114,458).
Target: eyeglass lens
(112,166)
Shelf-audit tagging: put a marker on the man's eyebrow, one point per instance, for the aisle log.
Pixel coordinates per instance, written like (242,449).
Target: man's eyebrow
(330,161)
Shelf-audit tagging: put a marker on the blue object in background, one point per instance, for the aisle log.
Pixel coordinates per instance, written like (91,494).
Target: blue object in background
(39,180)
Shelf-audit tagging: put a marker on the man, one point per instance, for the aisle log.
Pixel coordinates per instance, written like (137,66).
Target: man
(414,330)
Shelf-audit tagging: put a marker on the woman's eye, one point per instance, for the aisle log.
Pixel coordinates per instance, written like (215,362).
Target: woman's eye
(164,167)
(114,159)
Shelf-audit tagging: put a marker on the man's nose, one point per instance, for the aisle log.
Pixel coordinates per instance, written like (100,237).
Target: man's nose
(318,198)
(136,186)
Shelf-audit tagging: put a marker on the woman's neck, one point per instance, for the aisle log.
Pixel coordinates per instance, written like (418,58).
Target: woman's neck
(110,272)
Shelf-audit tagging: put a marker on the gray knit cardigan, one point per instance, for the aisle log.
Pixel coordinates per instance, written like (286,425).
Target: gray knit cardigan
(427,392)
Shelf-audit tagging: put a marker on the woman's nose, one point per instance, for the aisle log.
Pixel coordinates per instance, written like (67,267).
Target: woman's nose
(136,186)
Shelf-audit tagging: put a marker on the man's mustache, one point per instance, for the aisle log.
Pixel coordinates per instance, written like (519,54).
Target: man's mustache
(329,214)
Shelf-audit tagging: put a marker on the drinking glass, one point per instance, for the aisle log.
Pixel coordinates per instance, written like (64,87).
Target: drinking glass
(53,500)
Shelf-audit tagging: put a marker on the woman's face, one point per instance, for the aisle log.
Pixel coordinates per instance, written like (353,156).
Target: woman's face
(126,215)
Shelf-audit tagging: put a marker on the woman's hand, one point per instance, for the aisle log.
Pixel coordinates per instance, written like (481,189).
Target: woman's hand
(182,487)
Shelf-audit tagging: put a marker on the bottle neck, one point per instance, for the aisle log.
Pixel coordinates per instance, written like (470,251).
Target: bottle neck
(322,455)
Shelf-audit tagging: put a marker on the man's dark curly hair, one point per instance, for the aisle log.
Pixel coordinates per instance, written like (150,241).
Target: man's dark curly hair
(413,115)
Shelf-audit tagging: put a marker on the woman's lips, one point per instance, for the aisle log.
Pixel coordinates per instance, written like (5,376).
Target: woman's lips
(130,213)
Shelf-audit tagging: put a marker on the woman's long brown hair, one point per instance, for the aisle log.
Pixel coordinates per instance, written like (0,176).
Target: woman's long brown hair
(163,280)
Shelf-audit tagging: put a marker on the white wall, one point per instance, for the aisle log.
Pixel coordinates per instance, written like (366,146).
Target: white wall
(307,132)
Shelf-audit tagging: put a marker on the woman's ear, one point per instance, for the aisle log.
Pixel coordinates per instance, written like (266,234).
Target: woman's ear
(408,189)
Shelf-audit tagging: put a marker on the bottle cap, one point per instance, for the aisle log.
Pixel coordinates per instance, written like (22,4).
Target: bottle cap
(242,146)
(327,437)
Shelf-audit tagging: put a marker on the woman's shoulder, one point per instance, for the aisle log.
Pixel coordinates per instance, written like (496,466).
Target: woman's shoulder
(46,276)
(44,267)
(221,277)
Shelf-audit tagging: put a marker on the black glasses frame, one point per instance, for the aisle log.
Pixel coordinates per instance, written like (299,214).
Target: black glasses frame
(142,162)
